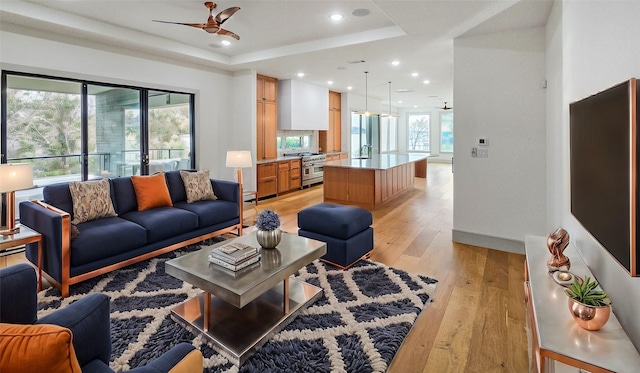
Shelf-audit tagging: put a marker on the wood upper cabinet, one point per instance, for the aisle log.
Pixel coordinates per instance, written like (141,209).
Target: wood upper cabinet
(266,117)
(331,140)
(267,89)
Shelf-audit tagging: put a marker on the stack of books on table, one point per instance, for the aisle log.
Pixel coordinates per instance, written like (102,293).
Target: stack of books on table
(234,256)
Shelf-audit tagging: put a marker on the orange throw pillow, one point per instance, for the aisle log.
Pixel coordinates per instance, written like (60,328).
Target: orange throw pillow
(37,348)
(151,191)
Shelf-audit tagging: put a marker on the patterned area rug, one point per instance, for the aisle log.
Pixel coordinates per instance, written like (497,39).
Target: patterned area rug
(356,326)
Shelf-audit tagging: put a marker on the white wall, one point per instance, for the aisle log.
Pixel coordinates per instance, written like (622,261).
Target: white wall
(497,94)
(243,124)
(215,122)
(600,48)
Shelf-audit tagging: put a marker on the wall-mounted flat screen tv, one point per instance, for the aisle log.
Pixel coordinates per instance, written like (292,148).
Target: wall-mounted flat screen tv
(604,154)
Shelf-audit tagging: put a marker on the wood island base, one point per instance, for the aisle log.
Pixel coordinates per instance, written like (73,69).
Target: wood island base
(366,188)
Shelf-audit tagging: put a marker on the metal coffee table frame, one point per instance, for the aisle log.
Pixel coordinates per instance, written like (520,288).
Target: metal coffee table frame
(249,306)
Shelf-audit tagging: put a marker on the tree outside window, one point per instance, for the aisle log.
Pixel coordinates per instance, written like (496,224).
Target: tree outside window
(418,131)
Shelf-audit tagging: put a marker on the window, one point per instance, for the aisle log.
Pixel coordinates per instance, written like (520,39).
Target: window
(388,134)
(364,134)
(301,142)
(446,132)
(78,130)
(418,132)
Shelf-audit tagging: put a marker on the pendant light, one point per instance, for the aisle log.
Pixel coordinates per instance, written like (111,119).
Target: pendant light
(389,115)
(366,93)
(366,111)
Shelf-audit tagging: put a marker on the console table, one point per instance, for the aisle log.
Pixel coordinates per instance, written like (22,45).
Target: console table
(555,335)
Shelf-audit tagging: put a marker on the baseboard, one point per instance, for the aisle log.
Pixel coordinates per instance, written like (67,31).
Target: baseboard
(497,243)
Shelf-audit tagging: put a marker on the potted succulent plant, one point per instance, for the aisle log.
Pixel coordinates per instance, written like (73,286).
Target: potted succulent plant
(589,306)
(268,231)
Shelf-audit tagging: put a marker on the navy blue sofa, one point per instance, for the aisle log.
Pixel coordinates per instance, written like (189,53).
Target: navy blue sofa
(110,243)
(87,318)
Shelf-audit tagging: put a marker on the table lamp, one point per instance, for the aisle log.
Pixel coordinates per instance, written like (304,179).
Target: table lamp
(239,159)
(14,176)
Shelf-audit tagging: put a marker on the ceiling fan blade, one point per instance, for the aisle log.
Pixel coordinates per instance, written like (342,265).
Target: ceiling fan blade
(225,14)
(228,33)
(196,25)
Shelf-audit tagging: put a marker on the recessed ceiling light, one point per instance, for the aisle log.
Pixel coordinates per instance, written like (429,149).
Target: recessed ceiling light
(395,63)
(361,12)
(399,102)
(349,87)
(330,82)
(225,42)
(415,106)
(425,81)
(414,74)
(300,75)
(336,17)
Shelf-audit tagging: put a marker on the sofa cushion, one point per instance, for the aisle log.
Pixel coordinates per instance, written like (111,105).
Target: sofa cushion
(124,195)
(104,238)
(197,185)
(176,185)
(211,212)
(163,222)
(58,195)
(37,348)
(91,200)
(151,191)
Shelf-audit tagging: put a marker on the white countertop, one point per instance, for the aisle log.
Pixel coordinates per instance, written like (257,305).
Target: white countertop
(379,161)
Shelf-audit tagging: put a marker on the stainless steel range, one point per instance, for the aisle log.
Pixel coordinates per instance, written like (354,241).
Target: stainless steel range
(312,167)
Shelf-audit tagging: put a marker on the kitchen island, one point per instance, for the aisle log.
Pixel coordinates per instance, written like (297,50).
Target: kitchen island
(371,182)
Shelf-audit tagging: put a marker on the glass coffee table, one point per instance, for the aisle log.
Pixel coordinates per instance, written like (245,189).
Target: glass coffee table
(239,311)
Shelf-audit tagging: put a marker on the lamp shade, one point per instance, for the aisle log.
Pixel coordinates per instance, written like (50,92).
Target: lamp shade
(15,176)
(239,159)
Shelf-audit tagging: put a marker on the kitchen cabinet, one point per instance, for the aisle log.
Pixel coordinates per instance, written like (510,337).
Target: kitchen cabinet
(331,139)
(267,117)
(284,176)
(267,179)
(279,177)
(295,174)
(337,156)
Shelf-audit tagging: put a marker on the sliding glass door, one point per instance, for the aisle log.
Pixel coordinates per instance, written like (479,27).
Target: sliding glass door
(78,130)
(113,131)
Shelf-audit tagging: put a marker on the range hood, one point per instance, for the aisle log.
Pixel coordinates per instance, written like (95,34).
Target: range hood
(302,106)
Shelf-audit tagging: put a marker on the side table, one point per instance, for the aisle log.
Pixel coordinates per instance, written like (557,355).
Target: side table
(25,236)
(555,336)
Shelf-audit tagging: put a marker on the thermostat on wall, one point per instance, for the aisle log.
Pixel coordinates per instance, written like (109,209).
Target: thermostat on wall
(483,141)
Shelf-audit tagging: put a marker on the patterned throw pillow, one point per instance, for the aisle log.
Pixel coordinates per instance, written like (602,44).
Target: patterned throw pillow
(91,200)
(197,185)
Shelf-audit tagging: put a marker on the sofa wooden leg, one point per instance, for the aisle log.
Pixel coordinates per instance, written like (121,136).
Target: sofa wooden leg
(64,289)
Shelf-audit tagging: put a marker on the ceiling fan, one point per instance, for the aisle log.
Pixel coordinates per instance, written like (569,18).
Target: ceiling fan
(445,107)
(213,24)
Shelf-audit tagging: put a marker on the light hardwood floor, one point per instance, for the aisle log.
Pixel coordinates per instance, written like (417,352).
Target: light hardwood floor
(476,322)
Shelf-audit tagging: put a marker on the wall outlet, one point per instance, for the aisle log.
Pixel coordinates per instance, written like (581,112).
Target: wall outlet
(483,153)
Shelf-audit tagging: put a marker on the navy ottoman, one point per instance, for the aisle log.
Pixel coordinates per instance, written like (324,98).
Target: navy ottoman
(345,229)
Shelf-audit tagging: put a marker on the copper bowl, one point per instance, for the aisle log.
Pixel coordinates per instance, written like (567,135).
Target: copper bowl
(589,317)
